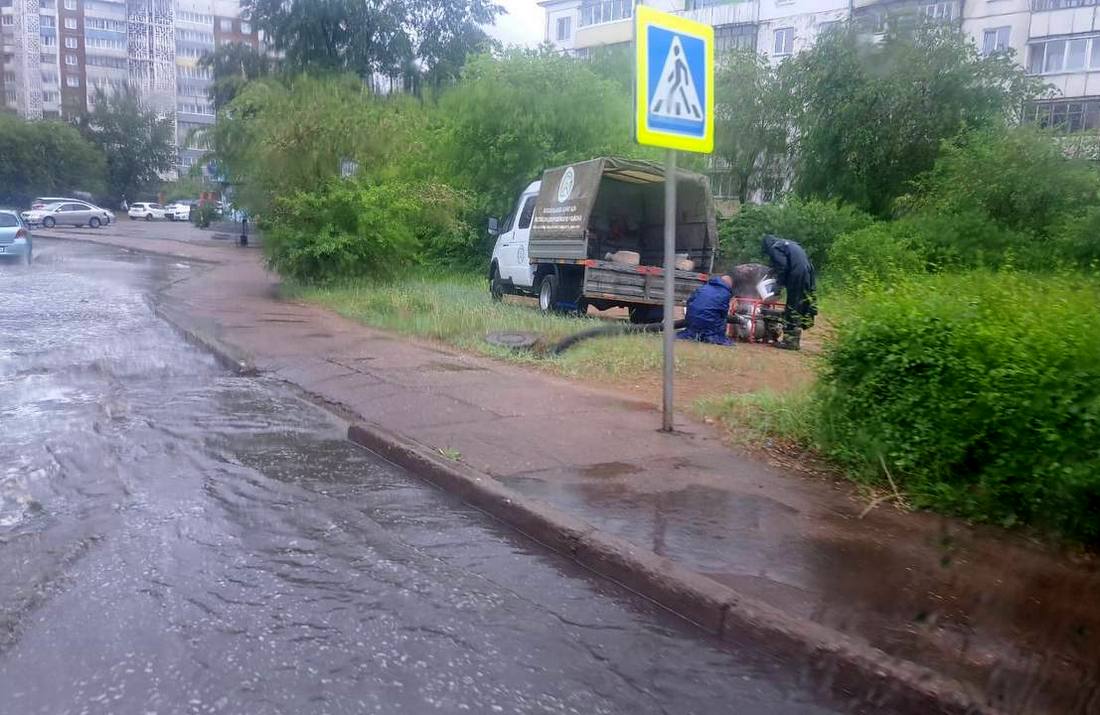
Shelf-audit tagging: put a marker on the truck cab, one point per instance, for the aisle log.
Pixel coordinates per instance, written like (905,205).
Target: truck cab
(511,270)
(591,233)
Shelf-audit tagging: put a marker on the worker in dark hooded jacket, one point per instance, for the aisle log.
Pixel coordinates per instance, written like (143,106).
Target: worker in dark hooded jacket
(707,311)
(791,267)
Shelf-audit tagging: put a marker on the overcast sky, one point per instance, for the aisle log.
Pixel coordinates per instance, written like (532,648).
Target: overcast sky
(523,25)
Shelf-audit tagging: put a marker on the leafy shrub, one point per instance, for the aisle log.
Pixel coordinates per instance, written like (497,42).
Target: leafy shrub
(969,238)
(349,228)
(875,255)
(980,391)
(1077,237)
(203,216)
(814,224)
(1020,178)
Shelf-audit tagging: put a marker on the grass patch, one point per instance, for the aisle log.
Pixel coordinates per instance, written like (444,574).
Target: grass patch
(786,416)
(456,310)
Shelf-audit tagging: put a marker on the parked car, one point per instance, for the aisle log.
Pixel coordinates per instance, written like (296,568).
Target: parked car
(146,211)
(69,213)
(179,211)
(15,239)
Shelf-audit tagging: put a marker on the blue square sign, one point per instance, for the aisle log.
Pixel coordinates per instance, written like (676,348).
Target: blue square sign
(675,90)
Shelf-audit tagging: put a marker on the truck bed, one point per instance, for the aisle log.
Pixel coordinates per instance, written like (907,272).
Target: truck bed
(636,284)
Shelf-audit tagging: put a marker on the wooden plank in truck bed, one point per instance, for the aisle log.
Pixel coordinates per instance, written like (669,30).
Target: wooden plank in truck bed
(636,284)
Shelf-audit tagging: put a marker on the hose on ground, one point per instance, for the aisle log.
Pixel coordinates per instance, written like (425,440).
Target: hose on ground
(606,330)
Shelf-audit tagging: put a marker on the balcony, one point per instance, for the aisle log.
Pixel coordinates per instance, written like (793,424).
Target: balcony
(598,12)
(1042,5)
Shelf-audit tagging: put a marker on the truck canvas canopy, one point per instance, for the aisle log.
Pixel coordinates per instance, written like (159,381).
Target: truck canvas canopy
(594,208)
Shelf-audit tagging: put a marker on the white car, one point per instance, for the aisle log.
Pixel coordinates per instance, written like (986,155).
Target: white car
(180,211)
(146,211)
(67,213)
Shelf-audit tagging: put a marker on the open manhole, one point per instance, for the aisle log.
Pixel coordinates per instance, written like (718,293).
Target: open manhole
(514,339)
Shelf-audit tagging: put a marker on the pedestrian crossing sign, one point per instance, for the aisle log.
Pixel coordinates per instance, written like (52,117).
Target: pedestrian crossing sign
(674,75)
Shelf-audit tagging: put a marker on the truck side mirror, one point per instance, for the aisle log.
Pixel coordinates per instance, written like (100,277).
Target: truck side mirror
(494,227)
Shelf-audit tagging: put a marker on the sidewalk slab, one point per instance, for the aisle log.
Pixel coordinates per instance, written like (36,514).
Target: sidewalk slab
(1013,620)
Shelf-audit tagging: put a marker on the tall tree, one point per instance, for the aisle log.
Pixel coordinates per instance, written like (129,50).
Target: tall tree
(753,132)
(233,65)
(137,141)
(45,158)
(394,38)
(872,116)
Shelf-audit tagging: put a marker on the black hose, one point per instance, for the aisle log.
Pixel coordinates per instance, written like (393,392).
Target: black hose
(604,330)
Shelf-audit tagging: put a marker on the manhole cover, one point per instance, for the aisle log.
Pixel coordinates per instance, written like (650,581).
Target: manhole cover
(513,339)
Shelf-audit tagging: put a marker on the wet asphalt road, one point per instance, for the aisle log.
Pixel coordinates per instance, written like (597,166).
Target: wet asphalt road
(177,539)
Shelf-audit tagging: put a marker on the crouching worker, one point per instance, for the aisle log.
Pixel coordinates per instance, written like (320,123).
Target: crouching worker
(707,311)
(791,267)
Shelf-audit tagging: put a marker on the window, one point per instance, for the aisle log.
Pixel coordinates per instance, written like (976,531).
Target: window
(49,40)
(246,28)
(1038,5)
(734,37)
(699,4)
(71,80)
(1065,55)
(226,25)
(944,11)
(9,77)
(51,97)
(527,213)
(99,23)
(71,43)
(1073,115)
(995,40)
(565,28)
(9,19)
(594,12)
(827,26)
(49,77)
(70,23)
(70,60)
(1076,54)
(48,21)
(70,4)
(784,41)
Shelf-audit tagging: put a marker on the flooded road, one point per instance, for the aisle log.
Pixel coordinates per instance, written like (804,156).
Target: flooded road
(177,539)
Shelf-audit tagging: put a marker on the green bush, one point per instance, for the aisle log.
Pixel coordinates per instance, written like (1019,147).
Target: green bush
(875,255)
(203,216)
(350,228)
(814,224)
(1077,237)
(980,391)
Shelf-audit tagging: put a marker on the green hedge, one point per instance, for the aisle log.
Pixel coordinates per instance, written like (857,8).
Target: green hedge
(348,228)
(813,224)
(981,392)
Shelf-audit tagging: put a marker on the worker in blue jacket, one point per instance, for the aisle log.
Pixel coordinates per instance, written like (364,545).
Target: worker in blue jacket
(707,311)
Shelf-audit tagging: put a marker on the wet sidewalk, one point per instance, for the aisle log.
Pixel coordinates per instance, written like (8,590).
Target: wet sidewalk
(1016,623)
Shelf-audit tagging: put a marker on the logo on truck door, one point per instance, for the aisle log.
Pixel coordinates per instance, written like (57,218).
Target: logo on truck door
(565,187)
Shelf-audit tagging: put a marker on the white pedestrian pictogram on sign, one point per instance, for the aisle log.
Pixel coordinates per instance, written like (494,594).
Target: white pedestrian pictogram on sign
(675,96)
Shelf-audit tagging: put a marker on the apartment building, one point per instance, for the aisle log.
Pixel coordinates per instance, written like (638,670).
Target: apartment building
(1058,40)
(55,54)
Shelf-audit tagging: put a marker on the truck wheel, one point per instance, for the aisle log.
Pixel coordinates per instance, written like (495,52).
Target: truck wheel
(496,287)
(548,293)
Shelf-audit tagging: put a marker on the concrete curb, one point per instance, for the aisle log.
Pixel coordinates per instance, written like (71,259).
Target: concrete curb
(150,251)
(845,666)
(229,356)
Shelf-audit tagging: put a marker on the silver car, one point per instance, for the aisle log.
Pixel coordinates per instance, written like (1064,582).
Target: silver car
(15,239)
(68,213)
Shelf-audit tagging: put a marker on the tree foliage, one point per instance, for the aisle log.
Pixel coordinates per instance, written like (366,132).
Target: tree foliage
(233,65)
(137,141)
(279,137)
(752,124)
(869,117)
(45,158)
(395,38)
(512,117)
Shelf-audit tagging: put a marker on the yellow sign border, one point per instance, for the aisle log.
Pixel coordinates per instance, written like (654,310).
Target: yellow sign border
(645,17)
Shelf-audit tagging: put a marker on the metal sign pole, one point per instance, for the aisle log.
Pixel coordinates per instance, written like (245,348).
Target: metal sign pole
(670,286)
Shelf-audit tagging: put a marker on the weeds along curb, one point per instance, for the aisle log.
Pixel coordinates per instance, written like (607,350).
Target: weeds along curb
(844,666)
